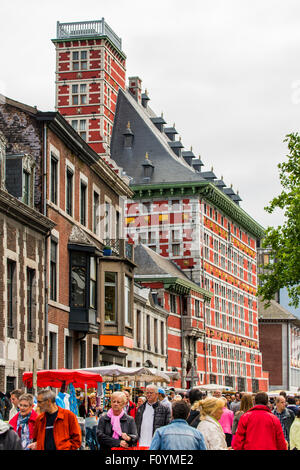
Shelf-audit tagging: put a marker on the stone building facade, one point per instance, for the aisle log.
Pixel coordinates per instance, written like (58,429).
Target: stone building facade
(23,235)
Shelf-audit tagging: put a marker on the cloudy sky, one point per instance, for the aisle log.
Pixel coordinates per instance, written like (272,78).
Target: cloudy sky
(225,71)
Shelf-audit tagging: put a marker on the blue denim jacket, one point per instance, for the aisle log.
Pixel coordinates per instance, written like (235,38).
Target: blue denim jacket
(177,435)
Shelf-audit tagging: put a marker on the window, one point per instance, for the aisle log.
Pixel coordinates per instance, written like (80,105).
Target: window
(53,270)
(127,301)
(110,287)
(79,94)
(93,283)
(11,267)
(69,192)
(52,350)
(79,60)
(118,225)
(155,335)
(162,338)
(96,206)
(80,126)
(95,355)
(197,308)
(30,303)
(83,202)
(138,328)
(107,220)
(148,333)
(173,305)
(68,352)
(176,249)
(26,187)
(82,354)
(78,280)
(54,179)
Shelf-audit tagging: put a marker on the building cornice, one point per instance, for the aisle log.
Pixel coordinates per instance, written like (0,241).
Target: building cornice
(88,38)
(26,215)
(208,191)
(57,123)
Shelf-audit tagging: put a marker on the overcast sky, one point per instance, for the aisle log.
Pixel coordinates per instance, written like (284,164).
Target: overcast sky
(225,71)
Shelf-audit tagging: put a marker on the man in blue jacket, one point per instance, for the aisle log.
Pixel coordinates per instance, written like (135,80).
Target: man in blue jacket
(178,435)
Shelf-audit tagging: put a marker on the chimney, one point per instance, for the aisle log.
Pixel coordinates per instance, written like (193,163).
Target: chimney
(135,88)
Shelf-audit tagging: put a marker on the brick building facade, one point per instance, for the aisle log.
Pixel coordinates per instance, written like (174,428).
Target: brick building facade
(90,69)
(23,234)
(85,291)
(180,211)
(279,335)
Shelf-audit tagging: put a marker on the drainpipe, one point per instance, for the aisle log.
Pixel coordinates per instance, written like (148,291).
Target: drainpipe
(183,371)
(46,248)
(205,340)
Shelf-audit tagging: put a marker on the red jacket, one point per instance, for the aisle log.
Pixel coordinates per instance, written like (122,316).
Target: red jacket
(14,422)
(259,429)
(66,431)
(132,409)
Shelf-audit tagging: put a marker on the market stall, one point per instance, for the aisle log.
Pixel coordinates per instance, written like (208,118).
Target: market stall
(117,377)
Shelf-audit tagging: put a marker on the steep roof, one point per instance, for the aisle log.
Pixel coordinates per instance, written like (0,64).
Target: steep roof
(152,266)
(275,312)
(147,138)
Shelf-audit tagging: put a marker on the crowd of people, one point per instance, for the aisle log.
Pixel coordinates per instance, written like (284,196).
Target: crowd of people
(155,421)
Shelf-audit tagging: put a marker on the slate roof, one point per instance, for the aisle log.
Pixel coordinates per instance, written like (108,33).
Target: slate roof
(151,263)
(169,164)
(276,312)
(147,138)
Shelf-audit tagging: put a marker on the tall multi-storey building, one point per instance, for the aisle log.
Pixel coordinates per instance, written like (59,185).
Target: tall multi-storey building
(90,69)
(180,211)
(188,215)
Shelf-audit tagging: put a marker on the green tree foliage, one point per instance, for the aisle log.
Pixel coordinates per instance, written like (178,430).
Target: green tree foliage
(284,241)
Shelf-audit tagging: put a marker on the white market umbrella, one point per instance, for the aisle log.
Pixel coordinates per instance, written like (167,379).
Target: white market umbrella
(212,387)
(114,372)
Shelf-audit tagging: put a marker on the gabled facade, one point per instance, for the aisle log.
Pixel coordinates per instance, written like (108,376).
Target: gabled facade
(279,332)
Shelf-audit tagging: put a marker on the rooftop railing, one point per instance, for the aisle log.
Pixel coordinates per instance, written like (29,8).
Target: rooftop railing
(87,28)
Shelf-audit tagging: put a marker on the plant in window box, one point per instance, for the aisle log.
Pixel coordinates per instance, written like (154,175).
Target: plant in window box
(107,250)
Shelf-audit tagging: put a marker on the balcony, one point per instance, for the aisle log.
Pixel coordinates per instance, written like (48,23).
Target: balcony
(120,248)
(83,320)
(192,326)
(81,29)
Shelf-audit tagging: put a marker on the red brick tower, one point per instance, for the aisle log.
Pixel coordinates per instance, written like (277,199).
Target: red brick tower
(90,68)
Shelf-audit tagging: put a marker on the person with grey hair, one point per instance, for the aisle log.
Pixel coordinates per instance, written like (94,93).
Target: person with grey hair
(150,416)
(116,429)
(23,422)
(55,428)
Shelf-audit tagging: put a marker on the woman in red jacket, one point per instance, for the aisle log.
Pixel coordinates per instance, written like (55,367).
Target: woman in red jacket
(259,429)
(23,422)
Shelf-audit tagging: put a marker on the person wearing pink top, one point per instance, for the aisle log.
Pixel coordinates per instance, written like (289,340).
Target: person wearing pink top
(226,422)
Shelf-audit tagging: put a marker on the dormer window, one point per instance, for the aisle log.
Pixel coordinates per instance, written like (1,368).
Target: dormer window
(128,137)
(20,177)
(148,168)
